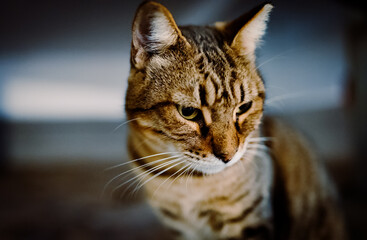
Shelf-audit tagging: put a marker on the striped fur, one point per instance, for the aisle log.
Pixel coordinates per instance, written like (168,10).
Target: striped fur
(213,177)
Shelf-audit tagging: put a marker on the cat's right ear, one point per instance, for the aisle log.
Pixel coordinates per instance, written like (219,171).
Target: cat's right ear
(245,32)
(154,30)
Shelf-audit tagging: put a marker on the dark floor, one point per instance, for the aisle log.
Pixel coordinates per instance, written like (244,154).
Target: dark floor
(64,202)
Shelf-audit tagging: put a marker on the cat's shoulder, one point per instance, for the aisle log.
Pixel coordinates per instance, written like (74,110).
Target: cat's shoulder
(280,128)
(294,153)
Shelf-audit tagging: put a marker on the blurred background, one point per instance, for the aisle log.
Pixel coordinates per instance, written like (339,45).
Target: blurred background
(63,74)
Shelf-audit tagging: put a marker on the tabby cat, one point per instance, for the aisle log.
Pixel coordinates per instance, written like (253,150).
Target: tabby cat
(212,166)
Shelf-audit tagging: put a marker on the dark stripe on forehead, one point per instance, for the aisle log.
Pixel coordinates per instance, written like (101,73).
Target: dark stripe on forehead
(220,67)
(206,75)
(231,62)
(225,94)
(214,58)
(233,75)
(213,62)
(230,66)
(209,54)
(242,92)
(200,64)
(232,82)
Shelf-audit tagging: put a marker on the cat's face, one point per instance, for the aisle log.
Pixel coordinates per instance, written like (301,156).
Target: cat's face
(193,90)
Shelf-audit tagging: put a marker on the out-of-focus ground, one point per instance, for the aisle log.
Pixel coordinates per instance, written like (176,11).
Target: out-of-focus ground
(63,200)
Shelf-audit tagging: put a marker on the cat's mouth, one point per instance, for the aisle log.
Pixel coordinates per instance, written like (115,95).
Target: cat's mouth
(211,164)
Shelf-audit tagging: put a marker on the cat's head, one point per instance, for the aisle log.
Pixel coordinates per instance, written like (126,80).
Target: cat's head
(196,90)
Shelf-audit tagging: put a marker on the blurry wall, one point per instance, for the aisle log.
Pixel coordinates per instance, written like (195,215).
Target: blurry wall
(67,62)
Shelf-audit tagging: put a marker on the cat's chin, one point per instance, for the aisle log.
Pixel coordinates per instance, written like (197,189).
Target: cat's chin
(215,168)
(210,170)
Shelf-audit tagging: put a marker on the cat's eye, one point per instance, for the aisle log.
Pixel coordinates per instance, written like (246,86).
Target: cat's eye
(243,108)
(188,113)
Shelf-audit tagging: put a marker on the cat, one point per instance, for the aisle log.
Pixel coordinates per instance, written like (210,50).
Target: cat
(212,166)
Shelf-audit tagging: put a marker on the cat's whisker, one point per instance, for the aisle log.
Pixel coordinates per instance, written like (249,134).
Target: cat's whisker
(156,175)
(296,95)
(191,173)
(144,174)
(141,167)
(138,159)
(189,164)
(258,146)
(258,143)
(124,123)
(271,59)
(256,153)
(255,167)
(275,87)
(138,180)
(260,139)
(186,170)
(242,165)
(179,170)
(264,151)
(133,169)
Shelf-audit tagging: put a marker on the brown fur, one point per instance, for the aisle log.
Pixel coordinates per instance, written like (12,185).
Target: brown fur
(216,179)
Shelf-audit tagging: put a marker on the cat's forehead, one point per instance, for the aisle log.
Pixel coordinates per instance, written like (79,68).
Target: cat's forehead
(203,37)
(207,73)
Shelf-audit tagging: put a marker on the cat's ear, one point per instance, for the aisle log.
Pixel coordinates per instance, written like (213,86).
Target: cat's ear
(153,31)
(246,31)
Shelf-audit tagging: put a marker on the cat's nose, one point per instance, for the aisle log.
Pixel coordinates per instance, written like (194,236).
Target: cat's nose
(225,157)
(224,146)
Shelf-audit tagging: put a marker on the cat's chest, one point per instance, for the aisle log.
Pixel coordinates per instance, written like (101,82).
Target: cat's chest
(211,209)
(213,198)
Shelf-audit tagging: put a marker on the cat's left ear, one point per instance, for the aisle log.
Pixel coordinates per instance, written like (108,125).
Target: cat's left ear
(246,31)
(154,30)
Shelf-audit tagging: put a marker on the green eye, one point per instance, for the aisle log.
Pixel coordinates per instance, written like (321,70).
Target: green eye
(188,113)
(244,108)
